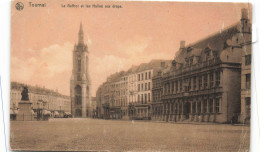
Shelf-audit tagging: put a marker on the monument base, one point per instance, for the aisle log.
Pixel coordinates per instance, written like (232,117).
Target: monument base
(25,111)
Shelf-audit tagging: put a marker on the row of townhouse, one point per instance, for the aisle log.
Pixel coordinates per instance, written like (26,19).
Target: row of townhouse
(128,94)
(40,97)
(209,81)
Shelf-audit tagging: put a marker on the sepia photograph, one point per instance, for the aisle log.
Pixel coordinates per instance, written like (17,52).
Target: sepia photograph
(130,76)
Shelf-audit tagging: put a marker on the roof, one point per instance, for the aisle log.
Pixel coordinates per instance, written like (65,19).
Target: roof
(214,42)
(35,89)
(153,64)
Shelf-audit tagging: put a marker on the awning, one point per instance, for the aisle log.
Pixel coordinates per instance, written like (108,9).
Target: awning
(56,113)
(13,112)
(67,113)
(46,112)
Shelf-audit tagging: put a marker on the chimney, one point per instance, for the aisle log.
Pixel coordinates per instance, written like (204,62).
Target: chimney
(245,25)
(244,13)
(182,44)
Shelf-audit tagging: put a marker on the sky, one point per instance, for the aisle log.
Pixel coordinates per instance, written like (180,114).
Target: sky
(42,39)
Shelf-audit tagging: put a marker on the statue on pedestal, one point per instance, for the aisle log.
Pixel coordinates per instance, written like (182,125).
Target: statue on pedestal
(24,94)
(25,112)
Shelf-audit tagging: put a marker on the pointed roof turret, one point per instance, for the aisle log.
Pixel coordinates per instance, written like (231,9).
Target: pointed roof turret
(81,34)
(80,28)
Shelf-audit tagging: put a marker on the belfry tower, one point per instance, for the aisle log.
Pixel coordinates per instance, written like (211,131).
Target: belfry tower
(80,83)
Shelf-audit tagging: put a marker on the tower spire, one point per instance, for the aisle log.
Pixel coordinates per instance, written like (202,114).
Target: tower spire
(81,34)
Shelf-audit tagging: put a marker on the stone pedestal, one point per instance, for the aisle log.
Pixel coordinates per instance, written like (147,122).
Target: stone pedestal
(174,118)
(191,117)
(212,118)
(201,118)
(171,117)
(196,118)
(206,117)
(183,117)
(25,111)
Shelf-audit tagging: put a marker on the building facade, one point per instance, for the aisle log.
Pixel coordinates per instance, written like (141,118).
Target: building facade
(40,97)
(246,69)
(128,95)
(203,83)
(80,83)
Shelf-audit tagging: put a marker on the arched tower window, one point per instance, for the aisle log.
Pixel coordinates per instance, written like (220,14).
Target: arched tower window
(79,64)
(78,95)
(87,90)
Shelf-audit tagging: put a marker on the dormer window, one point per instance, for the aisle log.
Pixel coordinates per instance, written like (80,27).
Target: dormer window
(174,64)
(189,49)
(191,61)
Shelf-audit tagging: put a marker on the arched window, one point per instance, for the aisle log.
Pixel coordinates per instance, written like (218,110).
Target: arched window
(78,92)
(79,64)
(87,89)
(78,113)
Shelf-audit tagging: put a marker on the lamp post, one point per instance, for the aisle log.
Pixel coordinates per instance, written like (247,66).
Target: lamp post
(38,110)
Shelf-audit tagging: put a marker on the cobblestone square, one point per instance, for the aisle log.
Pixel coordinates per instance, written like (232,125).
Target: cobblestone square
(117,135)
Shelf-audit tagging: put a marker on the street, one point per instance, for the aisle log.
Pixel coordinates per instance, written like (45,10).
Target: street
(118,135)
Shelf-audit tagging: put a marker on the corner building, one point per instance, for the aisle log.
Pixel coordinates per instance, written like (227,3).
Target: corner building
(246,71)
(80,83)
(204,82)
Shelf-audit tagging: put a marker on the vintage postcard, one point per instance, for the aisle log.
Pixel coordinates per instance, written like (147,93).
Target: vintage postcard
(130,76)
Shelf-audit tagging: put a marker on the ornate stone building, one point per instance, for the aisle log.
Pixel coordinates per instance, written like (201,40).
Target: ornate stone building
(246,69)
(205,79)
(80,83)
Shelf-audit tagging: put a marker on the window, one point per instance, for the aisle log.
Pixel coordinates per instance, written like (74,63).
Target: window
(138,77)
(191,61)
(79,64)
(142,98)
(200,82)
(180,85)
(150,75)
(149,85)
(205,81)
(189,86)
(205,106)
(149,97)
(248,59)
(78,78)
(248,81)
(142,87)
(142,76)
(172,86)
(194,83)
(217,104)
(217,78)
(248,101)
(210,105)
(78,96)
(138,98)
(145,75)
(138,87)
(211,80)
(145,86)
(248,107)
(176,86)
(145,98)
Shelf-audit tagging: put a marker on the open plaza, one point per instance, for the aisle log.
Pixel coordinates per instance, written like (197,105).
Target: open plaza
(118,135)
